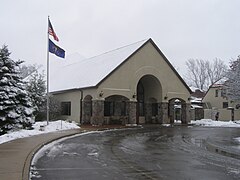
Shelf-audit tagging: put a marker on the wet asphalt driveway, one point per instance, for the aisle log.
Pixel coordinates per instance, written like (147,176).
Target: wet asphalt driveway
(151,152)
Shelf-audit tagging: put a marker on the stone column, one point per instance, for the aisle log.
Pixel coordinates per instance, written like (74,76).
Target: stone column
(148,113)
(132,112)
(164,112)
(171,111)
(87,108)
(159,116)
(186,108)
(97,112)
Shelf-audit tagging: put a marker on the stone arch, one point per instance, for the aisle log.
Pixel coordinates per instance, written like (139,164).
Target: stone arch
(146,71)
(116,109)
(149,95)
(178,109)
(87,109)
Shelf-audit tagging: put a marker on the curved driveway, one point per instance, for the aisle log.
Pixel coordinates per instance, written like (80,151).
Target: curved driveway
(151,152)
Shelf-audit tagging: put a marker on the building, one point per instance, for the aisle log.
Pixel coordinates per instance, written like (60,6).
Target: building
(215,101)
(197,111)
(134,84)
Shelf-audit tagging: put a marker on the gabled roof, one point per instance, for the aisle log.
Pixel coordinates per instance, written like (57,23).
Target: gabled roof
(91,72)
(211,87)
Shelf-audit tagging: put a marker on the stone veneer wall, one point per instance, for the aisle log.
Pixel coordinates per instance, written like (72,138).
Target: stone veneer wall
(186,108)
(87,108)
(97,112)
(132,112)
(164,112)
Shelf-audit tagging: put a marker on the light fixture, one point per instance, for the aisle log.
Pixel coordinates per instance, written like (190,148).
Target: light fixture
(134,95)
(101,94)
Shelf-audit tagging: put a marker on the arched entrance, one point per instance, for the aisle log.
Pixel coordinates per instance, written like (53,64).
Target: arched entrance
(149,95)
(177,110)
(116,110)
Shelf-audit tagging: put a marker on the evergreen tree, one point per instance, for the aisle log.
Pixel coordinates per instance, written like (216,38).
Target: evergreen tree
(15,105)
(233,82)
(36,88)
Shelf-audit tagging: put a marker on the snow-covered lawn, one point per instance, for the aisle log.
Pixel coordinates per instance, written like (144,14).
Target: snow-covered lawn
(52,127)
(212,123)
(237,139)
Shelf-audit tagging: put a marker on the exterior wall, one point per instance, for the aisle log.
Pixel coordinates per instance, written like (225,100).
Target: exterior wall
(216,102)
(199,113)
(217,106)
(74,97)
(224,114)
(147,61)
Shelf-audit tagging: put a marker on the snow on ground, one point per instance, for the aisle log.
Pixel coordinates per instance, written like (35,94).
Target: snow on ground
(237,139)
(212,123)
(63,125)
(52,127)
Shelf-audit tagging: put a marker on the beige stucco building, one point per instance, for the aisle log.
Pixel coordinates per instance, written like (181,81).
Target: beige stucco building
(216,101)
(134,84)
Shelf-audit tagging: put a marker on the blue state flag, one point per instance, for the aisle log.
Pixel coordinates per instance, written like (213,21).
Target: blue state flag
(53,48)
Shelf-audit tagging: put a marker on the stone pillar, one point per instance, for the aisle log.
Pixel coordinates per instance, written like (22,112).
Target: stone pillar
(186,114)
(97,112)
(148,113)
(132,112)
(159,116)
(164,112)
(87,111)
(171,112)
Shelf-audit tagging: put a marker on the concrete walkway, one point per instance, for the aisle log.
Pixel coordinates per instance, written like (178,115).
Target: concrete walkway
(16,155)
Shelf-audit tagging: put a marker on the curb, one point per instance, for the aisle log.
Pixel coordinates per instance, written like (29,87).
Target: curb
(28,160)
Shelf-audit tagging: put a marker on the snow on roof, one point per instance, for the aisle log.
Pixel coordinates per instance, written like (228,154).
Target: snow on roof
(89,72)
(194,88)
(196,100)
(216,85)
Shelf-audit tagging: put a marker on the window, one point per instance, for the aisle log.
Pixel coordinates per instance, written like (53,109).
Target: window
(225,104)
(223,93)
(66,108)
(237,106)
(108,108)
(216,93)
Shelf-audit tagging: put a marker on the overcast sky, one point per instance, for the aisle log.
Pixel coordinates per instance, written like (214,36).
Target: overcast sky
(182,29)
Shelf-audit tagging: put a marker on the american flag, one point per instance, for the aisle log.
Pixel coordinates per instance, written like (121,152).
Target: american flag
(51,31)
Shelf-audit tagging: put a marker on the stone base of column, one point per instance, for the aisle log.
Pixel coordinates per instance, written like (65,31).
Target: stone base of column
(97,112)
(171,111)
(132,112)
(86,116)
(164,112)
(186,113)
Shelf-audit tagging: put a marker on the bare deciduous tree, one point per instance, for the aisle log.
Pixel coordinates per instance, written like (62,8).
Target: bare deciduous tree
(197,74)
(201,74)
(216,70)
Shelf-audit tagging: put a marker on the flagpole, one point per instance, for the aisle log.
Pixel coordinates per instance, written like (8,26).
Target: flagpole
(48,73)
